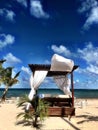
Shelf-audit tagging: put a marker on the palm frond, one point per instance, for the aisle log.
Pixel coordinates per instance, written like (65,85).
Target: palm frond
(2,61)
(17,75)
(20,115)
(12,81)
(25,116)
(8,72)
(24,99)
(42,109)
(28,116)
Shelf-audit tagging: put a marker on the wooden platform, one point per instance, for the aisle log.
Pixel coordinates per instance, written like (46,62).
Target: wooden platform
(57,101)
(61,111)
(60,106)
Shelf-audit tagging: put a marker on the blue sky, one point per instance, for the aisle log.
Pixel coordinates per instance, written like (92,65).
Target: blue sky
(31,31)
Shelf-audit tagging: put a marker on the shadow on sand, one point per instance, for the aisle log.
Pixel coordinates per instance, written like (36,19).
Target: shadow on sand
(29,123)
(87,118)
(24,123)
(72,125)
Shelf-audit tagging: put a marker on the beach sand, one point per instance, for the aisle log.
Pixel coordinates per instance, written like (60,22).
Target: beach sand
(86,117)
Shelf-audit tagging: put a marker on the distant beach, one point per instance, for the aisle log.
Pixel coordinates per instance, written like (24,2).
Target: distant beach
(79,93)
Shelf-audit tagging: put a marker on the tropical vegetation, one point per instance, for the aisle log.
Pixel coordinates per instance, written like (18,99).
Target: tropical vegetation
(6,78)
(38,110)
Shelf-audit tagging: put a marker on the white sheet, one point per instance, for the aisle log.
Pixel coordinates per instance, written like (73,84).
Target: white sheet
(59,63)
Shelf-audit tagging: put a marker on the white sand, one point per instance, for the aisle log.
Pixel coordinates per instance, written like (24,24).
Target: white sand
(86,118)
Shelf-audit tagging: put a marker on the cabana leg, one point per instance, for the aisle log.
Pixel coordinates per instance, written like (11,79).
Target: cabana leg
(72,86)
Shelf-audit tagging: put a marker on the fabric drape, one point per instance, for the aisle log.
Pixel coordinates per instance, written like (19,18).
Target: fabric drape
(59,63)
(35,81)
(63,82)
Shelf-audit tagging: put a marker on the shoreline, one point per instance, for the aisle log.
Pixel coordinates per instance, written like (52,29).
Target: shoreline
(75,99)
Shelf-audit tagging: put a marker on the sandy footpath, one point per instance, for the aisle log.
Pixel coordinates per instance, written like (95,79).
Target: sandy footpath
(86,117)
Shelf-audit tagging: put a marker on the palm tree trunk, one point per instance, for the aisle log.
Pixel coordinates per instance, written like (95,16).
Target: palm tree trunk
(4,94)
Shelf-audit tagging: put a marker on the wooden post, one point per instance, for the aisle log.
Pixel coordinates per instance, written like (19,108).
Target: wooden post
(36,105)
(72,87)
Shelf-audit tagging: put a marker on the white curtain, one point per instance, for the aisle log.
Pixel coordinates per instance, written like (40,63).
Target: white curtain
(63,82)
(35,82)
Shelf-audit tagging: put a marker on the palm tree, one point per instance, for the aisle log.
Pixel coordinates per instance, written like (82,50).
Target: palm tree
(1,71)
(8,81)
(38,109)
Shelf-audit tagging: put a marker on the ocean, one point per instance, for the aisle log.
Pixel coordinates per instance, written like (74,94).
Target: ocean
(79,93)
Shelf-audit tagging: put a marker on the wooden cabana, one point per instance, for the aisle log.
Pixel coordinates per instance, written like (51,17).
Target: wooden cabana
(59,106)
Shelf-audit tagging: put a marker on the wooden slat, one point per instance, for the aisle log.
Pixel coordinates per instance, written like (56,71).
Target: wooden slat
(61,111)
(56,101)
(35,67)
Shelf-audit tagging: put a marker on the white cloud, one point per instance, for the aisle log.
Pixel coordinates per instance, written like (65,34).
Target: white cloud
(24,78)
(90,8)
(61,50)
(92,18)
(89,53)
(8,14)
(92,68)
(25,69)
(37,9)
(6,40)
(47,62)
(11,59)
(87,5)
(87,77)
(22,2)
(77,80)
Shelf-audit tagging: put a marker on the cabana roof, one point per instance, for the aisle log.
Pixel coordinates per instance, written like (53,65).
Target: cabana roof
(47,67)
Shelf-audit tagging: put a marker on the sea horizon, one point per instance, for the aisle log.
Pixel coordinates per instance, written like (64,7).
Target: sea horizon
(78,93)
(54,88)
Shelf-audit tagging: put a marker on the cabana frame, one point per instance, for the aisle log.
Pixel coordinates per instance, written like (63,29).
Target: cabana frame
(35,67)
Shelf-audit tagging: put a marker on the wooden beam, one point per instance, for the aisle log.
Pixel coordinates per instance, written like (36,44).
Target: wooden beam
(47,67)
(72,87)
